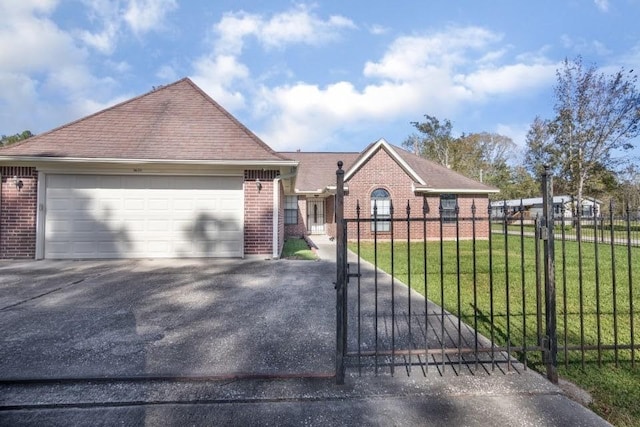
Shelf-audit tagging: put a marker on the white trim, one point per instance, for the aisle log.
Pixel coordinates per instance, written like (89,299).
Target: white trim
(389,149)
(41,209)
(313,193)
(276,213)
(132,172)
(38,159)
(454,191)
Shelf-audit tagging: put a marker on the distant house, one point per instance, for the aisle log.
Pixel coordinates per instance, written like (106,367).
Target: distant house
(532,207)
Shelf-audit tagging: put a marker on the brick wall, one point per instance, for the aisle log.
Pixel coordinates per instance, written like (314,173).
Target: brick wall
(18,207)
(299,229)
(381,171)
(258,212)
(330,216)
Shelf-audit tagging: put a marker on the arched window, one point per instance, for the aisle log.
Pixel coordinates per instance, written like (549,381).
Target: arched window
(380,210)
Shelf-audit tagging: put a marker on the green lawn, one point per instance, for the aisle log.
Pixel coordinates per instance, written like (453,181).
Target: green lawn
(616,390)
(297,248)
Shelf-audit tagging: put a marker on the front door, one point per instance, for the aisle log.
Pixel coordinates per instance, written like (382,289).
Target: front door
(315,216)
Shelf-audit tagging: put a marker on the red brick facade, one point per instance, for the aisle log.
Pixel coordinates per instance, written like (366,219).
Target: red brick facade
(18,208)
(258,212)
(382,171)
(300,228)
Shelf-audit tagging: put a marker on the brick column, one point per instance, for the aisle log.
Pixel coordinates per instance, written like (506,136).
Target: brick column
(18,207)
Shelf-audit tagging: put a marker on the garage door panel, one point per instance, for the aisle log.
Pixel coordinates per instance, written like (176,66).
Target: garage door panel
(92,216)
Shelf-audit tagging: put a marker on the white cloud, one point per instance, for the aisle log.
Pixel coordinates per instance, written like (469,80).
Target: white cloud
(603,5)
(220,71)
(440,73)
(295,26)
(39,62)
(140,16)
(582,46)
(105,15)
(409,56)
(508,79)
(29,41)
(148,15)
(517,133)
(378,29)
(232,30)
(216,75)
(167,73)
(12,9)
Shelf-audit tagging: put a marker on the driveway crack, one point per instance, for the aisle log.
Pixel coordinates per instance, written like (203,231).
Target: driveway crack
(42,295)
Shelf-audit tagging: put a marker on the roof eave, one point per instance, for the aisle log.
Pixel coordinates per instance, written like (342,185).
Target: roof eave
(39,159)
(430,190)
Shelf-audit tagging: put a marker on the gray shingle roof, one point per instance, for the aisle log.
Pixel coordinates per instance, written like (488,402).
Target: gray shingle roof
(317,170)
(175,122)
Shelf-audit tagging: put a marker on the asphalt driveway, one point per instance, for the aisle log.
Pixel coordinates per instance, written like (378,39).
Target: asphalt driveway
(220,342)
(147,318)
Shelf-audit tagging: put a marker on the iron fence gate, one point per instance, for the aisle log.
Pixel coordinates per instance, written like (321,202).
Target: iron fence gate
(476,292)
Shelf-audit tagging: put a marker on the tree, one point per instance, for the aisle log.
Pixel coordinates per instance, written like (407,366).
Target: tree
(596,117)
(7,140)
(482,155)
(436,142)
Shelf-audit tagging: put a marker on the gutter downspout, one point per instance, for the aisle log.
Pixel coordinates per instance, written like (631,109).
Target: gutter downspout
(276,213)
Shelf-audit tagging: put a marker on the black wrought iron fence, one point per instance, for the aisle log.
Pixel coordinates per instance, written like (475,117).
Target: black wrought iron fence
(479,293)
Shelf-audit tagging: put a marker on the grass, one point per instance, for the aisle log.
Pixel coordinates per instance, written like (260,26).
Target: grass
(297,248)
(509,275)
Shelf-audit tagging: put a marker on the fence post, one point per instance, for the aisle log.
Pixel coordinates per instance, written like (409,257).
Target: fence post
(551,345)
(341,283)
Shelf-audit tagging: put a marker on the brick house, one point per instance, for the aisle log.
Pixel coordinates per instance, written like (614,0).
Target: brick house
(380,175)
(167,174)
(172,174)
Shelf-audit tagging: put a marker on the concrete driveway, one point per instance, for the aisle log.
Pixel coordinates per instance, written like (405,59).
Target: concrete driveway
(159,318)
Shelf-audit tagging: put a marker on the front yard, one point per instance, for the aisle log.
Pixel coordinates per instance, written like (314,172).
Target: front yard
(502,287)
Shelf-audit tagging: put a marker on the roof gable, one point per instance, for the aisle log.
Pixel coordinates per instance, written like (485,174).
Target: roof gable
(175,122)
(371,150)
(428,176)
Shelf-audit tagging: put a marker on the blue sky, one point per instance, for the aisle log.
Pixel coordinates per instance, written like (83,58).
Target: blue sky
(316,76)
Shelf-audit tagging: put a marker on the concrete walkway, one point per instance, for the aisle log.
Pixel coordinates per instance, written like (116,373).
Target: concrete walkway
(223,343)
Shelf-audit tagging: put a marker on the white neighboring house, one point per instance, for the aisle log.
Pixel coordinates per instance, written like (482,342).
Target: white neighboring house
(532,207)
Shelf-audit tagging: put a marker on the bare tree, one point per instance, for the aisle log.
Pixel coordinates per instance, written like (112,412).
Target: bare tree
(435,141)
(597,116)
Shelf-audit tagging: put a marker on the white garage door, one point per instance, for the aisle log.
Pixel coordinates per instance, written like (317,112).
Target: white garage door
(96,216)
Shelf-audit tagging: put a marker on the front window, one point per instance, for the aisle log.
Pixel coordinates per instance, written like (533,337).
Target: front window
(291,209)
(380,210)
(448,203)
